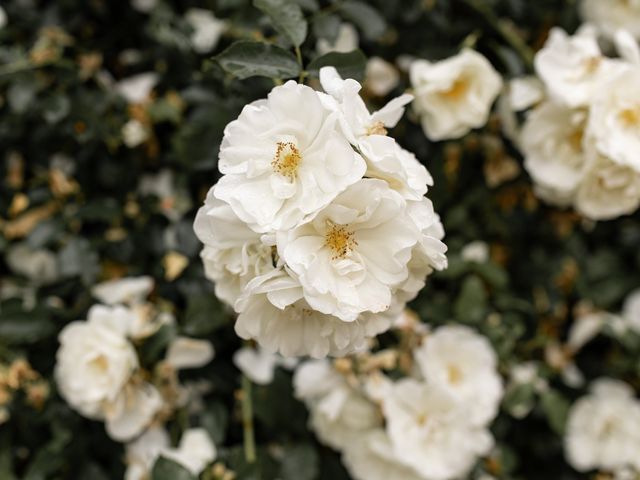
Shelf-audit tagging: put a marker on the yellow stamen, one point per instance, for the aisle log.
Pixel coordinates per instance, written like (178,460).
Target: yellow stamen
(457,90)
(286,160)
(592,64)
(340,240)
(630,117)
(376,128)
(454,373)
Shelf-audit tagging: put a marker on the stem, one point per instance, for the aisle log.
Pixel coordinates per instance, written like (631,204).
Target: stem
(18,66)
(299,58)
(247,421)
(507,33)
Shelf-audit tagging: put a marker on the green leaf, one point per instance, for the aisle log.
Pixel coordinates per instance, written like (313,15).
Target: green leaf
(165,469)
(18,326)
(215,419)
(287,18)
(556,408)
(300,463)
(349,65)
(251,59)
(471,304)
(153,347)
(204,315)
(367,18)
(327,27)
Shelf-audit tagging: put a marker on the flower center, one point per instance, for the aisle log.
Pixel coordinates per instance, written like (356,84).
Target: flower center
(630,117)
(592,64)
(340,240)
(454,374)
(457,90)
(100,363)
(286,160)
(376,128)
(575,139)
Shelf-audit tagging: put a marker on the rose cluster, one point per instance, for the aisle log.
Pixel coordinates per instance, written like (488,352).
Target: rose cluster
(318,232)
(100,374)
(431,424)
(581,140)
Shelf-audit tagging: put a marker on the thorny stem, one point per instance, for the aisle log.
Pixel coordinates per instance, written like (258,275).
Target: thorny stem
(247,421)
(505,30)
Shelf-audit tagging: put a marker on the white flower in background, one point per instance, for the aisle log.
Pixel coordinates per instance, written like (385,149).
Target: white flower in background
(476,251)
(259,365)
(631,310)
(608,190)
(552,141)
(144,6)
(3,18)
(233,253)
(463,363)
(95,359)
(132,411)
(614,122)
(455,95)
(603,429)
(612,15)
(142,453)
(339,413)
(207,29)
(273,312)
(129,290)
(38,265)
(627,47)
(371,457)
(134,133)
(430,433)
(346,41)
(186,352)
(381,76)
(525,92)
(283,163)
(175,200)
(585,328)
(195,452)
(136,89)
(572,67)
(351,255)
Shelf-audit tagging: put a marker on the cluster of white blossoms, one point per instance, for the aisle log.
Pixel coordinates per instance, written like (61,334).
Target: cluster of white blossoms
(581,140)
(318,231)
(455,95)
(603,430)
(98,370)
(431,425)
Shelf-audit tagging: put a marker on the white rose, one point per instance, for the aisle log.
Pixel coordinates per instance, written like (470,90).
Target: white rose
(134,133)
(572,67)
(283,163)
(207,29)
(38,265)
(464,364)
(614,122)
(608,190)
(339,413)
(186,352)
(128,290)
(381,76)
(346,41)
(455,95)
(552,141)
(631,310)
(95,359)
(602,429)
(352,254)
(132,411)
(272,311)
(137,88)
(370,457)
(259,365)
(233,253)
(367,132)
(142,453)
(430,433)
(612,15)
(195,452)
